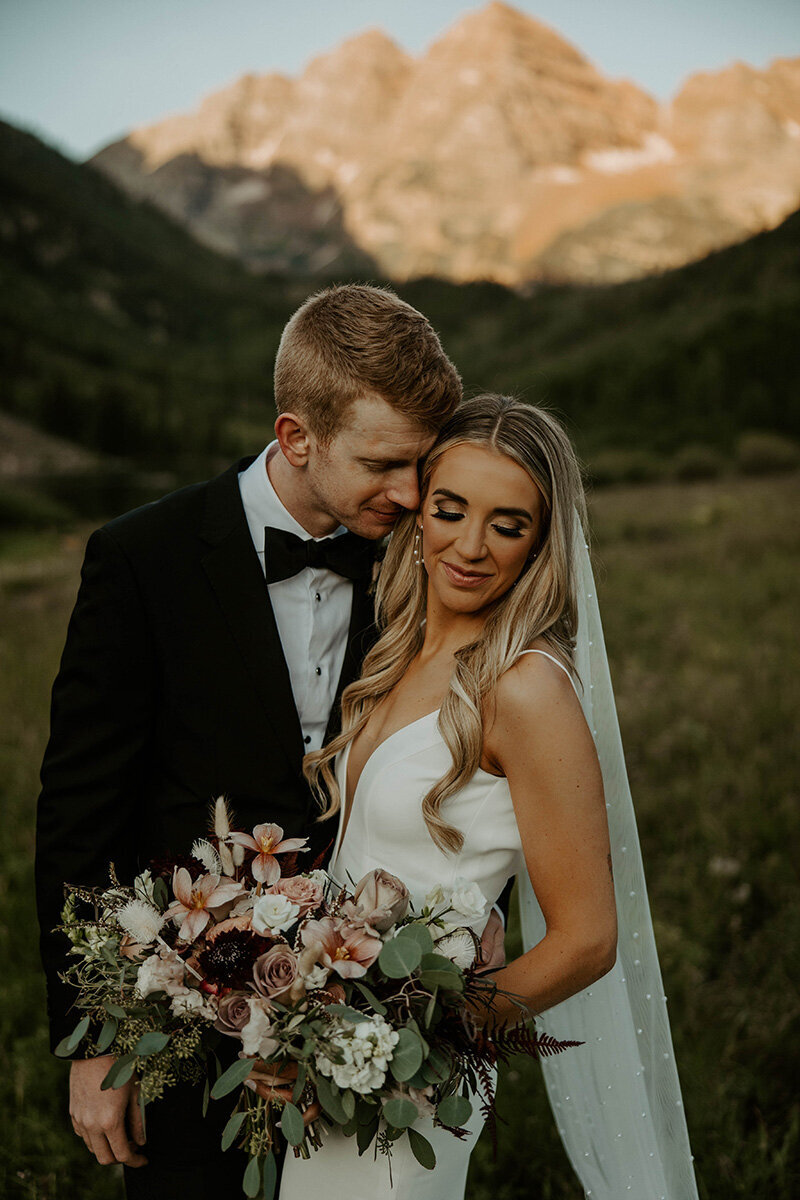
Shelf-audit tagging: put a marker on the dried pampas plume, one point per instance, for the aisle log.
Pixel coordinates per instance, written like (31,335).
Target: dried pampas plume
(222,828)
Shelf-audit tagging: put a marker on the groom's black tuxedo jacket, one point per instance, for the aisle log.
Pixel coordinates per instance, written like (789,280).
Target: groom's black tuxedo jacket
(173,689)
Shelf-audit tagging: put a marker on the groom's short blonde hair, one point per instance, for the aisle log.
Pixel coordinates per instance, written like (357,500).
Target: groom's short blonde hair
(354,340)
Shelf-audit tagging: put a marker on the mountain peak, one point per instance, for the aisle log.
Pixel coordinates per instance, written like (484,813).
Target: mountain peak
(499,24)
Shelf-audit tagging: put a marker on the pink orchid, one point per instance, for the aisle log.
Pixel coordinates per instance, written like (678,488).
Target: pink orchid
(267,841)
(344,948)
(194,901)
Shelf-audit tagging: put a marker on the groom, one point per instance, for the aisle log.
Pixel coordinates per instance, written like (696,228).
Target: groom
(213,634)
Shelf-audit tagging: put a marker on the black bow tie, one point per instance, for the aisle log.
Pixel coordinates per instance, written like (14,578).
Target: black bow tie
(286,555)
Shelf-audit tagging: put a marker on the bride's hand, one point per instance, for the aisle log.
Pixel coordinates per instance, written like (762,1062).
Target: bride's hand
(493,944)
(272,1082)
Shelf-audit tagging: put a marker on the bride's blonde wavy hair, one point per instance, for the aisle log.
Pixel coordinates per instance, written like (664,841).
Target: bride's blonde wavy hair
(540,605)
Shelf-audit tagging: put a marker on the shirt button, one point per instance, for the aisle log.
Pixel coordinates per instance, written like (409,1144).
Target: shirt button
(317,670)
(307,738)
(317,597)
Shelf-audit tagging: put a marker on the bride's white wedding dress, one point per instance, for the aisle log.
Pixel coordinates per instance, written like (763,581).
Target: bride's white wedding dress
(385,829)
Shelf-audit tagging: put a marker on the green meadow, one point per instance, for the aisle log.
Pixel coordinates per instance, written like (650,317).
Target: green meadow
(698,589)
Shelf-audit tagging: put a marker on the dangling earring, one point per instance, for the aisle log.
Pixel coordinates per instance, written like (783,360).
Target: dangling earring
(418,547)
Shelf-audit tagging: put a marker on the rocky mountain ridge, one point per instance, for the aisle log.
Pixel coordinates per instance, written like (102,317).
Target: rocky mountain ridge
(500,153)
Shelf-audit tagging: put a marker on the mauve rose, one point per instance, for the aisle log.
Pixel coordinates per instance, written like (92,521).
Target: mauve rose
(275,972)
(232,1014)
(305,893)
(382,899)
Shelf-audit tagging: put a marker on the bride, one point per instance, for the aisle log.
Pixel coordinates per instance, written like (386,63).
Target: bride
(465,754)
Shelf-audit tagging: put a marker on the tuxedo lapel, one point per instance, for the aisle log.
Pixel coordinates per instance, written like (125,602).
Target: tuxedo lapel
(361,637)
(235,575)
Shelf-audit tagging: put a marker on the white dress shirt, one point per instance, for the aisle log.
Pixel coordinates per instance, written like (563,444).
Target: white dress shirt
(312,608)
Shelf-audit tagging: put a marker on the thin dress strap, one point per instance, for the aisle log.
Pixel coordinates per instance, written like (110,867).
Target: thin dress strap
(553,658)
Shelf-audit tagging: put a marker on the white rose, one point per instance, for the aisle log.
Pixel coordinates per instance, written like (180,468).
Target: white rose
(458,946)
(274,913)
(162,972)
(256,1040)
(467,899)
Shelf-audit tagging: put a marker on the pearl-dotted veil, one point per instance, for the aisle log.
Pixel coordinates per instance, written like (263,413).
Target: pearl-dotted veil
(617,1098)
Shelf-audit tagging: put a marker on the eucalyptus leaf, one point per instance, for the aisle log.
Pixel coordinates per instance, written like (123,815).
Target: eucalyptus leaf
(419,933)
(206,1095)
(399,957)
(71,1042)
(365,1135)
(454,1111)
(349,1103)
(123,1075)
(299,1083)
(400,1112)
(115,1070)
(232,1078)
(349,1014)
(270,1176)
(330,1101)
(251,1183)
(422,1150)
(370,997)
(160,894)
(114,1010)
(151,1042)
(407,1056)
(106,1035)
(292,1124)
(231,1130)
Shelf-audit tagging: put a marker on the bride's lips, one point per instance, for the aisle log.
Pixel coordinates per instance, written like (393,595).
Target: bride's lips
(462,578)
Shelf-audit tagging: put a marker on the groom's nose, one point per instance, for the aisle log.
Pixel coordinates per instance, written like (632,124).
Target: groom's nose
(404,489)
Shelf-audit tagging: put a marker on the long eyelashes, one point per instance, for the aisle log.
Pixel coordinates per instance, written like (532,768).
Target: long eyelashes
(504,530)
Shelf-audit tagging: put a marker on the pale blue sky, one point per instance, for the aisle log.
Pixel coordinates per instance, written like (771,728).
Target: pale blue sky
(82,72)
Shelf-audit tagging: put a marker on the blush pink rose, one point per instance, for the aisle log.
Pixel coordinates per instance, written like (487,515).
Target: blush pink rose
(232,1014)
(275,972)
(305,893)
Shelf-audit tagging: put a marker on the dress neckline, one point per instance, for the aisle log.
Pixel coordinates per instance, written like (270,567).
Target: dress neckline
(348,800)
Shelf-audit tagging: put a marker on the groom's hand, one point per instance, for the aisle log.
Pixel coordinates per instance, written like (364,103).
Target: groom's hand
(493,944)
(276,1083)
(109,1122)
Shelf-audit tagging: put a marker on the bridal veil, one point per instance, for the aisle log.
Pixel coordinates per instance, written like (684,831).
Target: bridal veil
(616,1099)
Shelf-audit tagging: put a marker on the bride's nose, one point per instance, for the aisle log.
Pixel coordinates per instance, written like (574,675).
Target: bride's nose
(472,540)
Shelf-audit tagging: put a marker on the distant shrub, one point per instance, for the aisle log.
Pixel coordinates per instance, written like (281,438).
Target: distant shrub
(624,466)
(766,454)
(20,509)
(696,461)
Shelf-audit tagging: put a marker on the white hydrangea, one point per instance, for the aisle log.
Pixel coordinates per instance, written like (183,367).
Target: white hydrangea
(366,1047)
(317,977)
(162,972)
(274,913)
(191,1003)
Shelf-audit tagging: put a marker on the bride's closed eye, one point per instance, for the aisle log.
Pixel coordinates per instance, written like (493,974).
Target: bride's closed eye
(444,514)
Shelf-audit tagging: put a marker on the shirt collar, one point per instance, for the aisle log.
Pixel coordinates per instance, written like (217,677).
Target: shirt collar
(263,506)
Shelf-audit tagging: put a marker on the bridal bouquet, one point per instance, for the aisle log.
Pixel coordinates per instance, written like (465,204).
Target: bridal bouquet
(360,1003)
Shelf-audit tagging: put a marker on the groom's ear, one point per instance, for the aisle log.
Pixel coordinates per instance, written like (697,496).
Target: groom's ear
(294,438)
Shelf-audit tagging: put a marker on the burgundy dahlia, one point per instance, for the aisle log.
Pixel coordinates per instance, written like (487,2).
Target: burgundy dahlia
(228,960)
